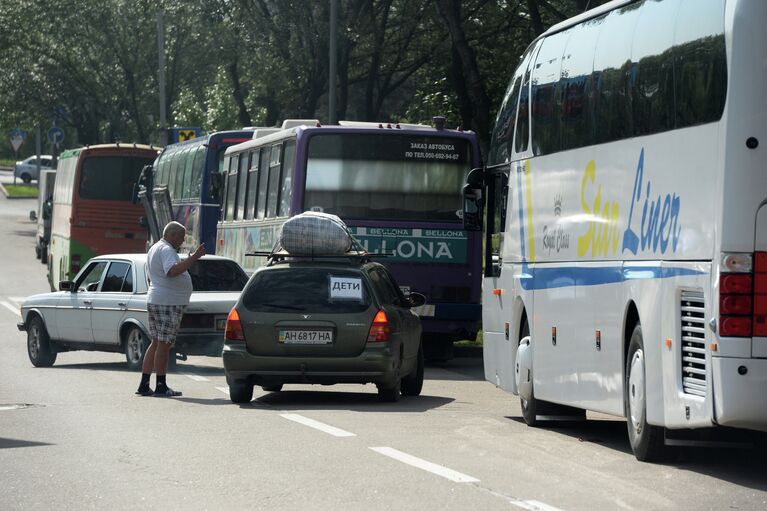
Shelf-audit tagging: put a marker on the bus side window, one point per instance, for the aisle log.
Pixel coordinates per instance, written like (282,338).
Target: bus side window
(263,180)
(288,165)
(505,125)
(576,84)
(198,166)
(546,94)
(613,119)
(274,181)
(242,184)
(700,63)
(186,184)
(231,187)
(250,202)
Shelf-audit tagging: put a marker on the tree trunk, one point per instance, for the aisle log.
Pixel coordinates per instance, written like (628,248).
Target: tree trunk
(239,97)
(535,17)
(476,98)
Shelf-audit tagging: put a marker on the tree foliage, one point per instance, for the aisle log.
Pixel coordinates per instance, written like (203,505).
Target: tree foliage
(92,66)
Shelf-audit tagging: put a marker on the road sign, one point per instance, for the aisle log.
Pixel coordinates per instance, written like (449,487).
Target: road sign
(18,136)
(183,134)
(56,135)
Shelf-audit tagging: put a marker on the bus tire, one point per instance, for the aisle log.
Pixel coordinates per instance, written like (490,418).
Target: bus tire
(135,344)
(413,383)
(41,352)
(240,393)
(44,253)
(646,440)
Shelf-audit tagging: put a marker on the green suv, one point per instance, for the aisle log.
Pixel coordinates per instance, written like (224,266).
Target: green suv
(334,320)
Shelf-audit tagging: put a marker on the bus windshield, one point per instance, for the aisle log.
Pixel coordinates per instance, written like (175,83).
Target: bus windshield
(396,177)
(110,177)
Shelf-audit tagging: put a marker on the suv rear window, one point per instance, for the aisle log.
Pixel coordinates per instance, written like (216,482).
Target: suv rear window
(306,289)
(217,275)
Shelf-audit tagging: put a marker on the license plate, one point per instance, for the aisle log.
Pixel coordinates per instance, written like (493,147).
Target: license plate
(220,324)
(306,336)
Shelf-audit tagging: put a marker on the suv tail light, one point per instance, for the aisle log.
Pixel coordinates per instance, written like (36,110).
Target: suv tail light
(234,330)
(379,330)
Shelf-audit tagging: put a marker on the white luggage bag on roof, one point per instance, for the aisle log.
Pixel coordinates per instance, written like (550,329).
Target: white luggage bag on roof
(318,234)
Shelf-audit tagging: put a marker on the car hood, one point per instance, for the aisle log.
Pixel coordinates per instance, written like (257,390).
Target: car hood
(212,302)
(31,301)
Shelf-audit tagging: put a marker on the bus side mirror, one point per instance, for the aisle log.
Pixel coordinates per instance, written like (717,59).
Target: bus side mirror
(473,201)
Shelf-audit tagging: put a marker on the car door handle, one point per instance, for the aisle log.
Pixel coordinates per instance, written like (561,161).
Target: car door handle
(87,302)
(122,304)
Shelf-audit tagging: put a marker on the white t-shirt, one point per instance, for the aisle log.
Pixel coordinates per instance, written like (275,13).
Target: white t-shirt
(164,290)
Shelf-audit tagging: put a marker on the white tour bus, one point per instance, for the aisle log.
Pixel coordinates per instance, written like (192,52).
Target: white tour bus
(626,226)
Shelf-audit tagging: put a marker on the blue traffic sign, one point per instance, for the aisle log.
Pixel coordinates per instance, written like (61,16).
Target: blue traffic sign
(56,135)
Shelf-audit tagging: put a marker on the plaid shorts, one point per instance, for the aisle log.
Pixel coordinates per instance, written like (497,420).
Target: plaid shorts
(164,321)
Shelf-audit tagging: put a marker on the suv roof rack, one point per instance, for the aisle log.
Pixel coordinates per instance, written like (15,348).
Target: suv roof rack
(273,257)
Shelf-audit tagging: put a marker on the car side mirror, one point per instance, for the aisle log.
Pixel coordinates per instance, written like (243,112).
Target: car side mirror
(66,285)
(416,299)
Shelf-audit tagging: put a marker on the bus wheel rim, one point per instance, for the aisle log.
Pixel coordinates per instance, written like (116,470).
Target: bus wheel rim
(637,391)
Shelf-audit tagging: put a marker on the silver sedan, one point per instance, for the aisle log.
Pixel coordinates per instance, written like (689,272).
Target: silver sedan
(104,309)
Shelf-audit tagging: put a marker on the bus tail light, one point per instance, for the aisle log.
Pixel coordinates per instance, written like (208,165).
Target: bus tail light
(234,330)
(379,330)
(743,295)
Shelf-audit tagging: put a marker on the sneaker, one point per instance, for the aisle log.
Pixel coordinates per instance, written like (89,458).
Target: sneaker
(144,391)
(166,392)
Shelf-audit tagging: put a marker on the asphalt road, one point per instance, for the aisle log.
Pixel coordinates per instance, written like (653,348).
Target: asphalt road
(75,437)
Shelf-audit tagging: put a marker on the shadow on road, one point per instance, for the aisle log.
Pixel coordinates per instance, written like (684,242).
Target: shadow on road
(11,443)
(742,466)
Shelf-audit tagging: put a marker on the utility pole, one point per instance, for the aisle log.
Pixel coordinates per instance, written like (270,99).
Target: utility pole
(333,55)
(161,77)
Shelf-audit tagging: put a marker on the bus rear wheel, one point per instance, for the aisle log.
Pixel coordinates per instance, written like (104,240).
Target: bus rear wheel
(646,440)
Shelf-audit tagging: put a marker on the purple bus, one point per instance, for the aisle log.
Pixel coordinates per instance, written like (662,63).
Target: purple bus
(398,188)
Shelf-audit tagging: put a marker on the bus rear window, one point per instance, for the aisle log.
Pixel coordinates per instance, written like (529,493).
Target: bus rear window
(396,177)
(110,177)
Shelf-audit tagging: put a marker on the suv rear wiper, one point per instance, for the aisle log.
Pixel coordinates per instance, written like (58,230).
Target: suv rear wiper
(281,306)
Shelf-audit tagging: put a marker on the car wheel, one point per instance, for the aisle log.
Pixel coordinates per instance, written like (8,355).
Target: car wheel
(272,388)
(412,385)
(135,345)
(240,393)
(646,440)
(26,178)
(39,348)
(44,254)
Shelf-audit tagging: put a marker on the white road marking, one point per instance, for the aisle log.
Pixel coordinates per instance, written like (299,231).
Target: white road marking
(11,308)
(225,390)
(425,465)
(534,505)
(316,425)
(197,378)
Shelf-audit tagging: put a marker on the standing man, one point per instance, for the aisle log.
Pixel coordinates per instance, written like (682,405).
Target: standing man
(170,287)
